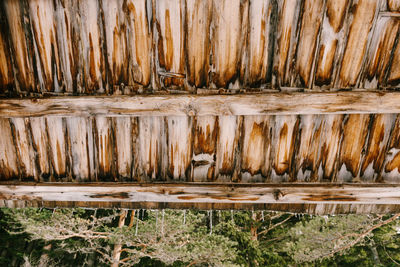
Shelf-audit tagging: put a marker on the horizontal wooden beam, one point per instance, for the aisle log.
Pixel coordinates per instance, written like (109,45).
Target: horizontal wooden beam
(301,198)
(191,105)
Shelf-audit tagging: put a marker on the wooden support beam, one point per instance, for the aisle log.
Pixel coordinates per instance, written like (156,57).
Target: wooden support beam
(348,102)
(316,198)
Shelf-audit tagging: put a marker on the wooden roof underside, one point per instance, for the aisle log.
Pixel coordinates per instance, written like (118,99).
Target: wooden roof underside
(296,100)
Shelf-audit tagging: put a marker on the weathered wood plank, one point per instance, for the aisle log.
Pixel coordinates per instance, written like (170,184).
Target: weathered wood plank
(21,48)
(40,145)
(116,41)
(91,50)
(139,40)
(227,148)
(332,39)
(282,152)
(8,156)
(42,14)
(286,40)
(198,45)
(309,30)
(6,68)
(257,56)
(179,147)
(81,148)
(318,198)
(256,147)
(358,102)
(227,36)
(205,131)
(170,37)
(123,145)
(150,151)
(356,46)
(23,147)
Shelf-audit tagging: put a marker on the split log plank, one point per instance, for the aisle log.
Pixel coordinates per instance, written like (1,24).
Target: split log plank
(344,102)
(318,198)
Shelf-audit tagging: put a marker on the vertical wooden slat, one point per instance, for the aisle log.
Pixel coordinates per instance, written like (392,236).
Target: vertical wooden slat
(283,148)
(355,132)
(22,50)
(6,70)
(151,157)
(171,46)
(256,146)
(330,146)
(286,40)
(356,46)
(372,165)
(393,79)
(104,148)
(81,145)
(378,57)
(308,154)
(116,42)
(40,144)
(227,155)
(307,43)
(42,17)
(24,149)
(179,147)
(226,44)
(139,42)
(8,156)
(391,171)
(332,40)
(198,19)
(258,55)
(57,144)
(69,44)
(91,53)
(123,147)
(204,148)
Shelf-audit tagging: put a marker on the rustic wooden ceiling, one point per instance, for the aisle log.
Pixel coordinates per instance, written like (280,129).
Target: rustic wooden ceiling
(65,63)
(133,46)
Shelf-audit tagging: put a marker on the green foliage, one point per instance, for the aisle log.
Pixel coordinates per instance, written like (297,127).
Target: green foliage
(79,237)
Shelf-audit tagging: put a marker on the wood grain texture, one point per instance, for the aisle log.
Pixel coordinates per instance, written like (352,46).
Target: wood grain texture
(24,149)
(22,50)
(362,19)
(300,198)
(332,40)
(44,31)
(170,17)
(139,42)
(287,32)
(81,151)
(6,67)
(151,149)
(205,133)
(125,133)
(197,43)
(8,156)
(380,53)
(99,47)
(227,36)
(40,146)
(360,102)
(355,148)
(307,42)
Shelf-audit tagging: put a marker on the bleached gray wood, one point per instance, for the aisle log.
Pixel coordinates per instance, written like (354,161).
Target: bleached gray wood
(318,198)
(349,102)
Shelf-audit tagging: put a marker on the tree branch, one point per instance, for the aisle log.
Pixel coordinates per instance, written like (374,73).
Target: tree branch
(362,235)
(275,225)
